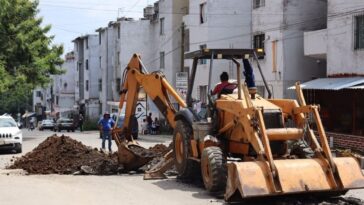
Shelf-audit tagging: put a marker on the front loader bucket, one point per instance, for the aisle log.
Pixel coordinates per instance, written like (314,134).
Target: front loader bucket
(251,179)
(133,156)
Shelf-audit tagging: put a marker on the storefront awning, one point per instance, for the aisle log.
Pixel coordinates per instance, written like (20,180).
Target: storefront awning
(333,84)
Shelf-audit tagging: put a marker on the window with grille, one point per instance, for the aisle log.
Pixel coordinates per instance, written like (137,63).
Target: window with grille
(359,32)
(259,43)
(258,3)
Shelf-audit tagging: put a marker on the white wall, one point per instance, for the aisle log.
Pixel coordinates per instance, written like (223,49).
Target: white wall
(342,58)
(228,25)
(284,22)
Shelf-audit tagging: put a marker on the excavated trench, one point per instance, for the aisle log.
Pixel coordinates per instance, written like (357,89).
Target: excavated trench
(64,155)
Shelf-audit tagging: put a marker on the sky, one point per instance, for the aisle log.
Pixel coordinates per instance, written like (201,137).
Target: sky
(72,18)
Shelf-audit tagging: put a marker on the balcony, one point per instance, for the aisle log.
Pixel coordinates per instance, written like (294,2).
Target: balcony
(315,43)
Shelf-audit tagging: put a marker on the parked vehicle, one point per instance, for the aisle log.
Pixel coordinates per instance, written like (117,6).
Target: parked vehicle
(11,137)
(46,124)
(64,124)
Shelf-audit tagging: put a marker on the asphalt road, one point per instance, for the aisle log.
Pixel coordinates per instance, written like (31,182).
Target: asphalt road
(17,188)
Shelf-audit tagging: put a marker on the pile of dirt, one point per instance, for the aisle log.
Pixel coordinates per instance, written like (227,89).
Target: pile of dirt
(160,149)
(63,155)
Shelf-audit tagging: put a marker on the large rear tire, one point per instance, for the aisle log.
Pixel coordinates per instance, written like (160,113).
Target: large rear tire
(214,170)
(186,168)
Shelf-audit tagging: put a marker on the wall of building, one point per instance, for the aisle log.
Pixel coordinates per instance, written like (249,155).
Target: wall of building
(283,23)
(341,55)
(227,25)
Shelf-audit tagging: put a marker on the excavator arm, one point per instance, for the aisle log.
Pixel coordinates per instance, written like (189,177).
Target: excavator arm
(158,90)
(155,86)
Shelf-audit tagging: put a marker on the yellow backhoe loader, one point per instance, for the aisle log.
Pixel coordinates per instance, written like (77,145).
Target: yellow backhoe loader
(242,146)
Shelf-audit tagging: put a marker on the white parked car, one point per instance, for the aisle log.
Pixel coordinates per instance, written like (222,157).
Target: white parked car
(11,137)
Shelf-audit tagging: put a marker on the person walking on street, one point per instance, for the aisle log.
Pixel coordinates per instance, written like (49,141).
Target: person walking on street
(80,122)
(149,121)
(106,125)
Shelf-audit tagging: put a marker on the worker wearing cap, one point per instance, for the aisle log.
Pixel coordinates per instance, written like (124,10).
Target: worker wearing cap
(106,124)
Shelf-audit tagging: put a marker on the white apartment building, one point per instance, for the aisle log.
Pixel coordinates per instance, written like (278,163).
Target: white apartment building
(340,46)
(278,28)
(216,24)
(58,98)
(87,77)
(109,65)
(157,38)
(64,88)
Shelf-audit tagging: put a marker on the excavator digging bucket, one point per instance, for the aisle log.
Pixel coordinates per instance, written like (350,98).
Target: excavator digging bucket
(133,156)
(299,176)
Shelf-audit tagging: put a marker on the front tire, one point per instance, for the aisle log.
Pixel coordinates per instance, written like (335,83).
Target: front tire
(186,168)
(214,170)
(18,148)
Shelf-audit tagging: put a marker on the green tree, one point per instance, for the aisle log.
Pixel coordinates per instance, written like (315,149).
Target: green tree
(27,56)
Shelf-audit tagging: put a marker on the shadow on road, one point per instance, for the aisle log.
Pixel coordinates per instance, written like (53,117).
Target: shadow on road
(196,188)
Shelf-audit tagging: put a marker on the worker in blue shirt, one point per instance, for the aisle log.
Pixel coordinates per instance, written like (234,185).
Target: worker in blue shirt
(106,125)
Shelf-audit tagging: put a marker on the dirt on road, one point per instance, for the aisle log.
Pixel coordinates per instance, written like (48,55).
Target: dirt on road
(64,155)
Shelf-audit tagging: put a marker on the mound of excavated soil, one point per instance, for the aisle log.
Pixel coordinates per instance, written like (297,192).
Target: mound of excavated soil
(63,155)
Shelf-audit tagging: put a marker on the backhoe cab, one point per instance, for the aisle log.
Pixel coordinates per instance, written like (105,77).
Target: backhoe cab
(241,148)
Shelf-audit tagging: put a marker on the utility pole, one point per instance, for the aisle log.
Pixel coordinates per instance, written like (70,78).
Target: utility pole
(183,47)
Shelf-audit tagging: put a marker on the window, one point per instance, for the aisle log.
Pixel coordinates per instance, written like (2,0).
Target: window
(118,58)
(162,26)
(99,38)
(100,85)
(203,61)
(57,100)
(118,84)
(258,3)
(118,31)
(86,42)
(100,62)
(359,32)
(86,85)
(203,16)
(161,57)
(259,43)
(38,94)
(86,64)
